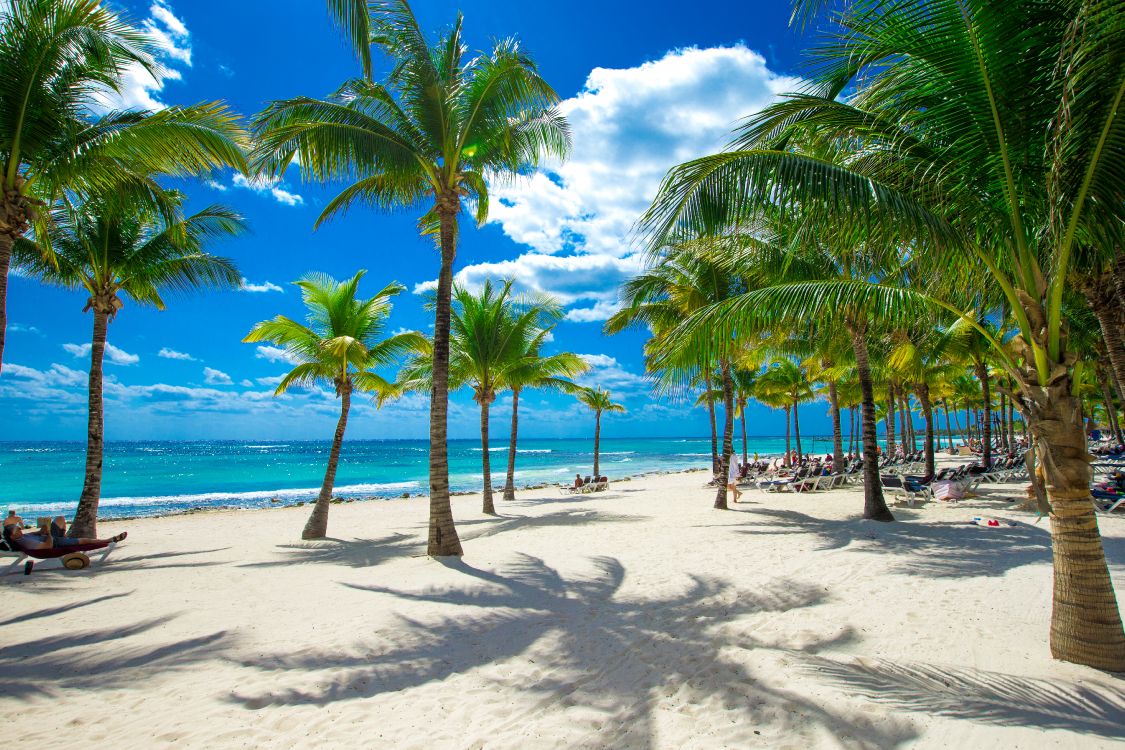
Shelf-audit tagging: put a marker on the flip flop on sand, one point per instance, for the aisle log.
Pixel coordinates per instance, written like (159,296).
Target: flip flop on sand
(991,522)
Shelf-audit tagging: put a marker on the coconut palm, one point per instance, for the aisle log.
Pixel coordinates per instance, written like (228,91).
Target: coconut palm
(786,382)
(57,58)
(431,135)
(340,345)
(745,382)
(986,139)
(600,400)
(535,370)
(109,250)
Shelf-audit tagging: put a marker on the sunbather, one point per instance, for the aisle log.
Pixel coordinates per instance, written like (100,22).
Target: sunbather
(732,478)
(50,536)
(577,481)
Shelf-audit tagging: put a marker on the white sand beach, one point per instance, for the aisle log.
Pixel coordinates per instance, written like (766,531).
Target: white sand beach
(634,618)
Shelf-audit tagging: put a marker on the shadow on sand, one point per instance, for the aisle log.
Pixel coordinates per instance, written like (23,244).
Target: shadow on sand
(623,658)
(927,548)
(102,659)
(980,696)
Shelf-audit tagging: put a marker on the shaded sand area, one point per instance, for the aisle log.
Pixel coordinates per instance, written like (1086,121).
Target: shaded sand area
(637,617)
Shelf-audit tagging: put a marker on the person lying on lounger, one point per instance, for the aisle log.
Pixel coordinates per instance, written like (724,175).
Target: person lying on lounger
(50,536)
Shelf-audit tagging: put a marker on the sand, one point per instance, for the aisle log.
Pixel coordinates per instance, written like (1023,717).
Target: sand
(637,617)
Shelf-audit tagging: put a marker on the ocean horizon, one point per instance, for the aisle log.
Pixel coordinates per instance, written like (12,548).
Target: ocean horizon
(153,478)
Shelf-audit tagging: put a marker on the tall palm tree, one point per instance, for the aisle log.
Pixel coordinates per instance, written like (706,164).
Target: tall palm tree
(106,249)
(340,345)
(600,400)
(432,134)
(535,370)
(992,165)
(490,334)
(745,381)
(786,381)
(57,56)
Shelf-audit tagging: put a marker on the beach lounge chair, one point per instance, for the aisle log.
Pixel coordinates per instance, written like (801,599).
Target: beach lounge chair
(71,557)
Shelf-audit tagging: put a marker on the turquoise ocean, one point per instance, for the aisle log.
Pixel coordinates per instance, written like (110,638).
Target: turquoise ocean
(159,478)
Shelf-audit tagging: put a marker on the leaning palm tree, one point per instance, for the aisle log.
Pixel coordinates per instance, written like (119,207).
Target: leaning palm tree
(431,135)
(600,401)
(57,57)
(340,345)
(106,249)
(984,139)
(534,370)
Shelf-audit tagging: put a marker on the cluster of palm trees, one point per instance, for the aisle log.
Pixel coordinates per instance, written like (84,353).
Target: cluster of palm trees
(432,134)
(950,177)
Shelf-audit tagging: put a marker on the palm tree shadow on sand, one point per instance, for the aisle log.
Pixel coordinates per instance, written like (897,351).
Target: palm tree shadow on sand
(619,662)
(981,696)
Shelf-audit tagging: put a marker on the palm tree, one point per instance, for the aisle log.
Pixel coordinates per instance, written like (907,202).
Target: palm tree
(432,134)
(534,370)
(340,345)
(57,56)
(599,400)
(106,249)
(786,382)
(490,335)
(990,165)
(745,381)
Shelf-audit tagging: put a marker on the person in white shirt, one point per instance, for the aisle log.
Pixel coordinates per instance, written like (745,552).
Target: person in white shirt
(732,477)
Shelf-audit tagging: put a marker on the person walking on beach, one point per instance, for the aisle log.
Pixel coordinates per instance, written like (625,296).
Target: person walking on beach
(732,478)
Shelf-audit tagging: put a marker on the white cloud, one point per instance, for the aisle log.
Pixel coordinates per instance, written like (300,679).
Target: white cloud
(58,375)
(265,286)
(112,353)
(607,372)
(211,376)
(20,328)
(271,380)
(215,185)
(630,126)
(167,353)
(139,88)
(270,185)
(246,383)
(275,354)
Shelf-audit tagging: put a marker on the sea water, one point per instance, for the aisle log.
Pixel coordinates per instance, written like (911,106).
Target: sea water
(158,478)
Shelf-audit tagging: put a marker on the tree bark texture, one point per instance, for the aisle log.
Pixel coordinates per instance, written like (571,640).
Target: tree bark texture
(928,418)
(317,525)
(443,539)
(728,439)
(85,523)
(510,481)
(486,461)
(874,506)
(837,429)
(986,420)
(597,442)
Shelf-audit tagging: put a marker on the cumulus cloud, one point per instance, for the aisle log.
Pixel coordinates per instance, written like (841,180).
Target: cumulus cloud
(211,376)
(167,353)
(112,353)
(265,185)
(140,89)
(630,126)
(605,371)
(275,354)
(21,328)
(271,380)
(265,286)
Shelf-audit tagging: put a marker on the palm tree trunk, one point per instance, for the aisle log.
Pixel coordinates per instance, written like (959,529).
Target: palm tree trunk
(85,523)
(788,442)
(510,482)
(902,422)
(797,433)
(851,431)
(742,414)
(317,525)
(948,428)
(443,539)
(986,422)
(1102,300)
(1085,619)
(837,429)
(728,438)
(486,459)
(1110,409)
(6,243)
(874,506)
(714,431)
(890,420)
(597,442)
(928,417)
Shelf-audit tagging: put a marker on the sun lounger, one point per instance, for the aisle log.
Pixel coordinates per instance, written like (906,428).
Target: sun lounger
(71,557)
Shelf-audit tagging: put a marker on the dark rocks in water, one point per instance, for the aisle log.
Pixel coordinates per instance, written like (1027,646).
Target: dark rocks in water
(275,499)
(406,494)
(300,504)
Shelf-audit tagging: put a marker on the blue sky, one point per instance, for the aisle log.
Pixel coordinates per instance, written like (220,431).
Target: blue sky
(646,85)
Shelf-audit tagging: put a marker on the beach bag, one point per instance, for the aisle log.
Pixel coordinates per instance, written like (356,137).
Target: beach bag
(946,490)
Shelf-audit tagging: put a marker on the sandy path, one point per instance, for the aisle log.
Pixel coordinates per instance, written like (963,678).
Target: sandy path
(638,617)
